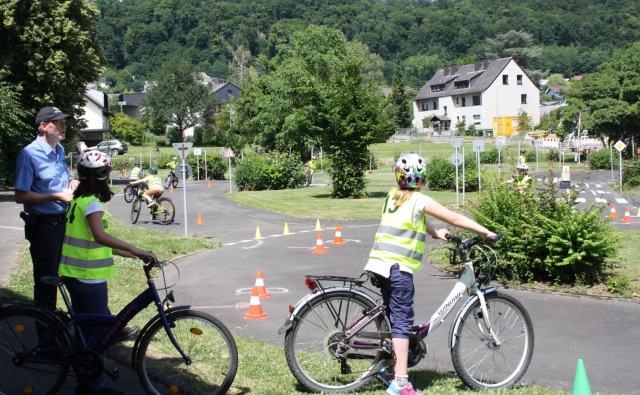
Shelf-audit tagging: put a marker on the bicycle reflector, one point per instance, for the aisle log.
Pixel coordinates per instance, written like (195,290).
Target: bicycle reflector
(290,309)
(311,284)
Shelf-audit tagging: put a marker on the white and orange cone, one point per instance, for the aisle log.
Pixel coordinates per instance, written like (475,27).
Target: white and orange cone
(255,308)
(337,241)
(262,290)
(627,215)
(319,246)
(613,213)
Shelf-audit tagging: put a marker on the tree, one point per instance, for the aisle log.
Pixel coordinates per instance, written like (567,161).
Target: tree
(524,124)
(48,53)
(515,44)
(177,96)
(420,68)
(315,95)
(239,66)
(556,80)
(402,111)
(127,129)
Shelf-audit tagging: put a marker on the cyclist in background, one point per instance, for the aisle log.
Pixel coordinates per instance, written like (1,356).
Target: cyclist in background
(522,180)
(136,172)
(522,158)
(311,166)
(154,183)
(172,165)
(398,250)
(87,256)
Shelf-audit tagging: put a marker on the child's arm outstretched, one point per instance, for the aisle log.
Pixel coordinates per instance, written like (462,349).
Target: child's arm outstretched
(119,247)
(442,213)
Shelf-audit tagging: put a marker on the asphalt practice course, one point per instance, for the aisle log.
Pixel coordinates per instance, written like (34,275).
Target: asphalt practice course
(602,332)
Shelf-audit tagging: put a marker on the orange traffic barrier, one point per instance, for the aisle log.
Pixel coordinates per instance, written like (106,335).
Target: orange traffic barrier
(262,290)
(337,241)
(255,308)
(200,219)
(613,212)
(319,246)
(627,215)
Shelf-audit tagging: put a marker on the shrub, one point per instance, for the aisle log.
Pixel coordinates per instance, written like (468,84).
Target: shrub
(631,174)
(553,155)
(546,238)
(489,157)
(601,159)
(618,284)
(274,170)
(441,174)
(217,167)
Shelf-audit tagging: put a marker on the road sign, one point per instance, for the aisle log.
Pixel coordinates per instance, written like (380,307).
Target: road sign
(197,151)
(456,141)
(189,169)
(499,145)
(229,153)
(620,146)
(478,145)
(456,158)
(182,149)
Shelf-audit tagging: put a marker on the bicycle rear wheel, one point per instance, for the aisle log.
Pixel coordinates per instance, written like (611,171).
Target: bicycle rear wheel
(315,349)
(38,373)
(209,344)
(165,211)
(167,181)
(136,207)
(175,182)
(129,193)
(478,361)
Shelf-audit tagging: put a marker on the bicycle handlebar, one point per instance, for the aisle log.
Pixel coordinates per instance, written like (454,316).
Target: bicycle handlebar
(467,243)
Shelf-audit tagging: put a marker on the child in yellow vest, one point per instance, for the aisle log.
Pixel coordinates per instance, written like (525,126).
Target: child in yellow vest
(87,255)
(398,251)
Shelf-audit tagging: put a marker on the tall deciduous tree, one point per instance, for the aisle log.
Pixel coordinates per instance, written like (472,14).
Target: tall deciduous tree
(315,95)
(402,112)
(177,96)
(48,53)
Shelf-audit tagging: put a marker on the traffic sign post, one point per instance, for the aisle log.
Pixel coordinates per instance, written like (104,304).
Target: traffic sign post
(183,150)
(456,160)
(478,147)
(620,146)
(229,154)
(197,152)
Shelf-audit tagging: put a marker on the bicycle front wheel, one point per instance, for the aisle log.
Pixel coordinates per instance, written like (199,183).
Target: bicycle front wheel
(318,354)
(483,363)
(165,211)
(38,372)
(204,339)
(136,207)
(129,193)
(167,181)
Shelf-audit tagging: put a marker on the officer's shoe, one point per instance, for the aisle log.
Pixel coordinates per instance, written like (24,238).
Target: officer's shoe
(127,333)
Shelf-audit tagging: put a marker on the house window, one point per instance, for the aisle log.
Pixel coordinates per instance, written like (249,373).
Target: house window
(461,84)
(476,119)
(505,79)
(445,110)
(523,99)
(425,106)
(476,100)
(519,79)
(437,88)
(457,100)
(464,102)
(464,119)
(435,104)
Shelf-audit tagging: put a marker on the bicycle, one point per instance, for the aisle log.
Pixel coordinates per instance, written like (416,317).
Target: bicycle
(162,211)
(131,191)
(172,178)
(124,174)
(178,351)
(309,179)
(338,338)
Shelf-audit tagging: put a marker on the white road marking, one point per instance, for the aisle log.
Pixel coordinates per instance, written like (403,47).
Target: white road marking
(600,200)
(618,200)
(581,200)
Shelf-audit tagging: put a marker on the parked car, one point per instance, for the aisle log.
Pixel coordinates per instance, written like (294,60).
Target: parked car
(114,147)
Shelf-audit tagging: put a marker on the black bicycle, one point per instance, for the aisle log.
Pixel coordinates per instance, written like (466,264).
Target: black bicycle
(179,351)
(172,179)
(162,211)
(131,191)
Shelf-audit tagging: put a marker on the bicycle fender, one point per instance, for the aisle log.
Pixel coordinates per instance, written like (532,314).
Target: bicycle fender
(463,309)
(314,295)
(144,330)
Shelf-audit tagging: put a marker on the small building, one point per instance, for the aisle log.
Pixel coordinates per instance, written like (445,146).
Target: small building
(130,103)
(96,115)
(557,92)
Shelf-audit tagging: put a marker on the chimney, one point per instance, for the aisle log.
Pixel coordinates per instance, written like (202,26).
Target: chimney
(485,63)
(477,65)
(454,68)
(446,70)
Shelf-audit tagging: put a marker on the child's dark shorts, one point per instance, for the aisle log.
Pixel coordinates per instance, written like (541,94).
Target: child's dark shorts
(398,293)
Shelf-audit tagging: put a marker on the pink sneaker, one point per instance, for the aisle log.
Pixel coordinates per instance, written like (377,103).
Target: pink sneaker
(408,390)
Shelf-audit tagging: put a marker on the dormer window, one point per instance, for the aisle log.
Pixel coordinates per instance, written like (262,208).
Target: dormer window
(437,88)
(461,84)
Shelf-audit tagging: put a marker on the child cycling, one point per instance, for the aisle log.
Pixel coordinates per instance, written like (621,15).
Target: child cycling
(522,180)
(136,172)
(172,165)
(154,183)
(87,251)
(398,250)
(311,166)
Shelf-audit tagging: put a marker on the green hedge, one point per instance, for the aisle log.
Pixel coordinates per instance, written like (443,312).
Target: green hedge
(441,174)
(274,170)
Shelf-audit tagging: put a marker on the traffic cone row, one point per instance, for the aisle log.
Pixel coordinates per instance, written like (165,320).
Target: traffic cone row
(613,214)
(258,291)
(319,246)
(337,241)
(627,215)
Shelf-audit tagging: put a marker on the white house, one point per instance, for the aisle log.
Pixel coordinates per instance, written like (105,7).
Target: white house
(488,94)
(96,115)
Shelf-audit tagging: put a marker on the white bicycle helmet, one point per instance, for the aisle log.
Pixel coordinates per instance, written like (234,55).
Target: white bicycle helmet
(522,166)
(411,171)
(94,164)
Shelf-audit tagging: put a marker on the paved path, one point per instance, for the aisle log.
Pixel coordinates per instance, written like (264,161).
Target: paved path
(603,333)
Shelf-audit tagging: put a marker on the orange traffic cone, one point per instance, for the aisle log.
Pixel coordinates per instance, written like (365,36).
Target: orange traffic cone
(255,308)
(171,189)
(613,212)
(262,290)
(319,246)
(209,186)
(200,219)
(627,215)
(337,241)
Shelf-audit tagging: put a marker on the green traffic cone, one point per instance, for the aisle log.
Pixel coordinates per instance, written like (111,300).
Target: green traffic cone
(581,382)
